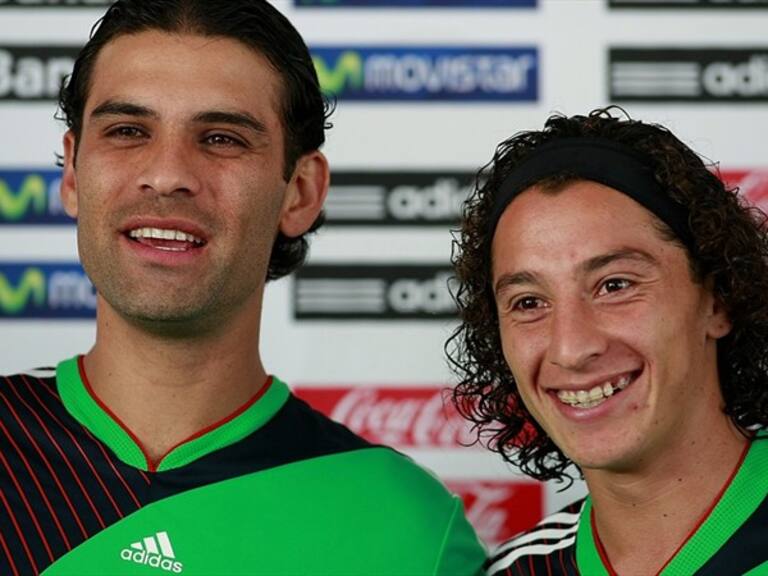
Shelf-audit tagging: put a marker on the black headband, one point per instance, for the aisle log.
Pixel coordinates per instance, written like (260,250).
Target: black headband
(600,160)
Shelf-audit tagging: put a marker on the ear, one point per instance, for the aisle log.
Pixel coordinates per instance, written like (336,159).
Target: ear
(718,321)
(68,179)
(305,195)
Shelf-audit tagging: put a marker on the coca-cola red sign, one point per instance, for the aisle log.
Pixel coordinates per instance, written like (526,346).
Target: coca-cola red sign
(753,185)
(499,510)
(423,417)
(402,417)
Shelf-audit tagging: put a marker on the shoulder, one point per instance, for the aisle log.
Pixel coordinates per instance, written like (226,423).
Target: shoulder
(551,542)
(44,373)
(413,510)
(297,422)
(382,465)
(419,515)
(28,384)
(28,401)
(373,469)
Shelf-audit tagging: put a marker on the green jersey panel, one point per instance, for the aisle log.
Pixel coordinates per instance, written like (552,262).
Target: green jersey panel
(363,512)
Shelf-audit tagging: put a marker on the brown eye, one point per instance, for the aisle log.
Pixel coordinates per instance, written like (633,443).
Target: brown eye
(222,140)
(614,285)
(127,132)
(527,303)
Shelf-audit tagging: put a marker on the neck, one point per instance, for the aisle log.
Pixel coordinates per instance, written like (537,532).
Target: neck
(666,500)
(165,389)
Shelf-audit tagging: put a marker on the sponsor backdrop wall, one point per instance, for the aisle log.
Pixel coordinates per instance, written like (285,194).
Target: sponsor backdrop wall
(426,89)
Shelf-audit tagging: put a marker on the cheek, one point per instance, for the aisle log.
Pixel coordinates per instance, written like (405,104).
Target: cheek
(94,185)
(524,363)
(658,334)
(522,352)
(257,223)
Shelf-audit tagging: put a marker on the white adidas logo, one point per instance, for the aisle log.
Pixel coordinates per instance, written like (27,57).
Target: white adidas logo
(155,551)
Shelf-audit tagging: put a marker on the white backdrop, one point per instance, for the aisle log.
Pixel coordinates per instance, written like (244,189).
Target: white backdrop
(400,363)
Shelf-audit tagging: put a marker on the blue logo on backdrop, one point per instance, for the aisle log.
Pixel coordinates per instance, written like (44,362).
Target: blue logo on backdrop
(42,290)
(429,73)
(31,197)
(416,3)
(53,3)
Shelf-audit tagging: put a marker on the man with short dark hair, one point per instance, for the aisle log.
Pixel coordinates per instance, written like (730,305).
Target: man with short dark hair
(192,165)
(614,317)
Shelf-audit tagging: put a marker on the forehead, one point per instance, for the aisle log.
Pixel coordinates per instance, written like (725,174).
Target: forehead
(181,70)
(553,230)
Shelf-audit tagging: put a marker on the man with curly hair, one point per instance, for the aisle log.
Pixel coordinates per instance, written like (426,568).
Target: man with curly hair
(192,165)
(612,294)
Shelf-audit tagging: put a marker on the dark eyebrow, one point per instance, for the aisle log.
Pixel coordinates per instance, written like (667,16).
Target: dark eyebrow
(603,260)
(591,265)
(515,279)
(235,118)
(117,108)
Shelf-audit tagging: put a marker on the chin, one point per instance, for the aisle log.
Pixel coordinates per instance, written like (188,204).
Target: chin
(617,462)
(601,457)
(163,318)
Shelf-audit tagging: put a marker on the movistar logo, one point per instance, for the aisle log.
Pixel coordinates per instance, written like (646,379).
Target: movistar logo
(423,3)
(16,296)
(345,72)
(30,196)
(45,3)
(436,73)
(45,291)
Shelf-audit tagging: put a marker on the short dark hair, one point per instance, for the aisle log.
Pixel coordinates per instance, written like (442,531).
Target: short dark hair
(731,252)
(255,23)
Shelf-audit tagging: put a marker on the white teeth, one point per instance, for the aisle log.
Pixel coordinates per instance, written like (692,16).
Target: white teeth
(594,396)
(170,249)
(623,382)
(162,234)
(591,404)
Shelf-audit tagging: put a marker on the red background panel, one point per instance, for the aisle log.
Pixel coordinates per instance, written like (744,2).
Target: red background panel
(404,417)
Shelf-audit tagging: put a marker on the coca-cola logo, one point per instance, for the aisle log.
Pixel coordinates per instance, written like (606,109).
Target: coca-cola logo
(424,418)
(499,510)
(752,184)
(402,417)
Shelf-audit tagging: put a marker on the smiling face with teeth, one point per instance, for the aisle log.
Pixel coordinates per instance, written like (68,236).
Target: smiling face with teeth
(177,180)
(611,342)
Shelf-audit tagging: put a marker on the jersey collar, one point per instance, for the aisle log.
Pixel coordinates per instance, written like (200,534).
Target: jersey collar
(86,408)
(740,499)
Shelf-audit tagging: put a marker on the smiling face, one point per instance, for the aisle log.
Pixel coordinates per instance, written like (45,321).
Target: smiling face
(178,181)
(611,342)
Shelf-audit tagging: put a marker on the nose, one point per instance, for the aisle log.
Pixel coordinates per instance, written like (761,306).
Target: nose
(169,168)
(576,337)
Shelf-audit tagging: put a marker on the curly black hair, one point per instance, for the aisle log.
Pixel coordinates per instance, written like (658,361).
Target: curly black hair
(731,252)
(255,23)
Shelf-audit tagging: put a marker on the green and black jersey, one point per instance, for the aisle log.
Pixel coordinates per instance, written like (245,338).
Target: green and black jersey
(277,488)
(731,541)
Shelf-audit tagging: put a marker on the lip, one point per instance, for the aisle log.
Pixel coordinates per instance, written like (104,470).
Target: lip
(164,258)
(181,224)
(610,405)
(575,386)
